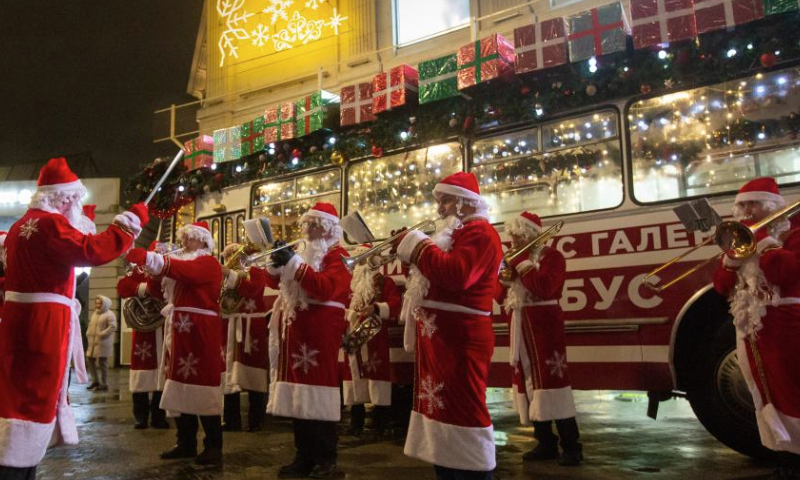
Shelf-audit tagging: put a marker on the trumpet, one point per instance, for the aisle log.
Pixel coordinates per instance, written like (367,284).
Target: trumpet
(258,257)
(374,256)
(164,248)
(737,241)
(507,273)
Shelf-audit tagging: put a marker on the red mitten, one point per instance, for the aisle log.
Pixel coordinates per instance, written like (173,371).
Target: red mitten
(140,210)
(137,256)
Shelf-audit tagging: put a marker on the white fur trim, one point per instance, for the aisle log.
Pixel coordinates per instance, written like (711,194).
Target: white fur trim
(255,233)
(524,265)
(552,404)
(409,243)
(23,443)
(448,189)
(275,272)
(451,446)
(191,399)
(520,403)
(141,290)
(131,221)
(249,378)
(732,262)
(290,269)
(306,402)
(154,263)
(60,186)
(319,214)
(3,239)
(355,392)
(143,380)
(759,197)
(778,431)
(767,242)
(383,310)
(380,392)
(200,233)
(231,280)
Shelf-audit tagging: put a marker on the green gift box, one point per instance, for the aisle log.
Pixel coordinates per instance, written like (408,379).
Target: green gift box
(780,6)
(438,79)
(227,144)
(252,136)
(316,111)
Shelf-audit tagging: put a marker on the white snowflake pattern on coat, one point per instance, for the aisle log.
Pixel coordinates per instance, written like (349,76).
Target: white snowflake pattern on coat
(143,350)
(428,393)
(187,366)
(428,321)
(184,324)
(557,364)
(29,228)
(305,359)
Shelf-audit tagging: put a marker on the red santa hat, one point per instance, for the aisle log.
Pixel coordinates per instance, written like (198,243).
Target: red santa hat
(323,210)
(56,176)
(459,184)
(762,189)
(199,231)
(525,224)
(88,210)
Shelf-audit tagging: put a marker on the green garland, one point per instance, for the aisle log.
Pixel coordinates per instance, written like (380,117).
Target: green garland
(522,100)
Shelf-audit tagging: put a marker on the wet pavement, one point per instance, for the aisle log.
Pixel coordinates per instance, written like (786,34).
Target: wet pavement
(620,442)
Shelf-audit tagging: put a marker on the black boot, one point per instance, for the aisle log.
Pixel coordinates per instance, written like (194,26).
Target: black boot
(547,448)
(300,468)
(232,415)
(304,439)
(187,438)
(357,415)
(141,409)
(257,405)
(157,415)
(382,415)
(572,450)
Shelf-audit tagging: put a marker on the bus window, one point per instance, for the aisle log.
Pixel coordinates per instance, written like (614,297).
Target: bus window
(284,202)
(215,234)
(397,190)
(713,139)
(575,168)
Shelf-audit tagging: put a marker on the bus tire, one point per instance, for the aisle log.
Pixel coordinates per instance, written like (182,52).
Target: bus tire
(721,399)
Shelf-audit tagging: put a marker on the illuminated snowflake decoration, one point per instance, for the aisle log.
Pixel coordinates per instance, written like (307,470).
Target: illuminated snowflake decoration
(313,4)
(335,21)
(260,36)
(278,9)
(298,29)
(234,17)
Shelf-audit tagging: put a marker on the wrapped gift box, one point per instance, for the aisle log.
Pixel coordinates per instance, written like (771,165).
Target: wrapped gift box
(437,79)
(596,32)
(662,21)
(713,15)
(227,144)
(356,104)
(541,45)
(484,60)
(253,136)
(316,111)
(198,152)
(772,7)
(279,123)
(394,89)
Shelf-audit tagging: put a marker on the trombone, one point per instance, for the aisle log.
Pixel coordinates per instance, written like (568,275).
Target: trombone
(166,249)
(255,258)
(374,256)
(506,272)
(737,241)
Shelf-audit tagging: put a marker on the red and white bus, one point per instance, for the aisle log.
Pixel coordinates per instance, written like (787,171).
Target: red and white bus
(613,173)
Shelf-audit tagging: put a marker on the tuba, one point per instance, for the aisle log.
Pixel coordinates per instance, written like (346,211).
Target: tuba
(229,299)
(143,314)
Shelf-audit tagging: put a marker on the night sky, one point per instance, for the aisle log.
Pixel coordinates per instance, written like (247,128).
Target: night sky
(85,76)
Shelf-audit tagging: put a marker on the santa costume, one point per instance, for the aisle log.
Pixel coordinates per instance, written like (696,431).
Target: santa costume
(764,293)
(2,269)
(246,354)
(447,310)
(367,372)
(306,331)
(192,358)
(40,332)
(542,392)
(146,350)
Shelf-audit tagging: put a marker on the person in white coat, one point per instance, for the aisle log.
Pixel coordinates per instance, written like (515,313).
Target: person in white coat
(100,336)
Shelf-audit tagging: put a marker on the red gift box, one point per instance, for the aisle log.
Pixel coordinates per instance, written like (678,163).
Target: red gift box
(713,15)
(541,45)
(198,152)
(662,21)
(395,88)
(484,60)
(279,122)
(356,104)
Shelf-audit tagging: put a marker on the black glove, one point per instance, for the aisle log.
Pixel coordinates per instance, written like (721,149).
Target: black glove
(282,256)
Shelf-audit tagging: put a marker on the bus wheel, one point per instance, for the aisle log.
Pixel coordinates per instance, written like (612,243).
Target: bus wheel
(721,399)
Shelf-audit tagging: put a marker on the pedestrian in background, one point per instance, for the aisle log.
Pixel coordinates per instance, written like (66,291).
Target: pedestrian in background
(100,336)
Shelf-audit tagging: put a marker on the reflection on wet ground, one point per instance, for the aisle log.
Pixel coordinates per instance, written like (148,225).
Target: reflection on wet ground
(619,441)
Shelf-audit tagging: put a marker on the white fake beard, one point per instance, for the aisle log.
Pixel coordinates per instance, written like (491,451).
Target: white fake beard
(752,296)
(314,253)
(185,255)
(363,287)
(78,220)
(417,285)
(292,296)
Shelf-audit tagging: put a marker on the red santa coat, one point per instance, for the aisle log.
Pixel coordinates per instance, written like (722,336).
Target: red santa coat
(768,357)
(193,359)
(367,376)
(246,354)
(146,347)
(40,331)
(450,423)
(538,343)
(305,349)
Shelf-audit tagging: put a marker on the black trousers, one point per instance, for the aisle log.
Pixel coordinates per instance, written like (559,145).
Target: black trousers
(444,473)
(14,473)
(187,431)
(145,406)
(316,441)
(257,405)
(567,429)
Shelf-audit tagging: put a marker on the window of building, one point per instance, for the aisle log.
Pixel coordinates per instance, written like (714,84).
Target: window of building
(713,139)
(416,20)
(284,202)
(396,191)
(569,166)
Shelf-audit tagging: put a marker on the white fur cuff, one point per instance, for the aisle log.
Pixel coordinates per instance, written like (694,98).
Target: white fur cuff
(383,310)
(290,268)
(230,282)
(275,272)
(129,221)
(524,266)
(142,290)
(409,243)
(154,263)
(766,243)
